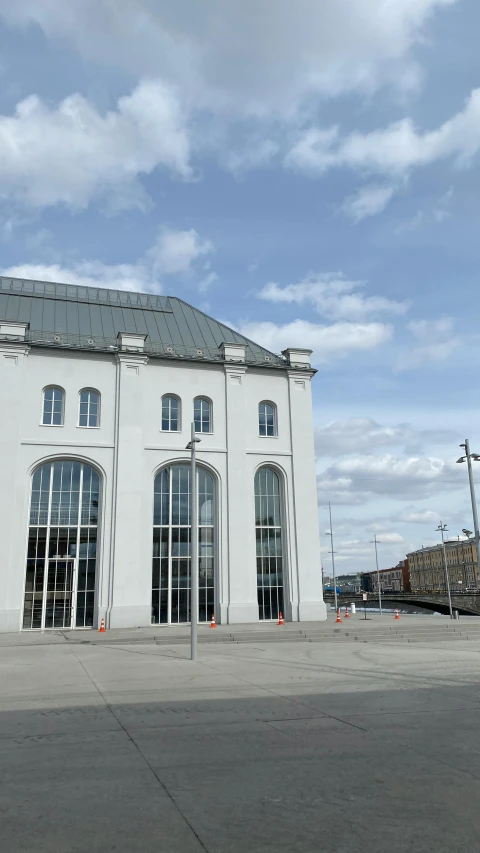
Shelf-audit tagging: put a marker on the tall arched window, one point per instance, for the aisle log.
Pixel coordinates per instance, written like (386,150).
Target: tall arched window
(170,413)
(202,413)
(89,413)
(53,406)
(268,530)
(267,418)
(62,547)
(171,545)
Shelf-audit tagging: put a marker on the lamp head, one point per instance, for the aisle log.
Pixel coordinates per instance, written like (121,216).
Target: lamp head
(462,459)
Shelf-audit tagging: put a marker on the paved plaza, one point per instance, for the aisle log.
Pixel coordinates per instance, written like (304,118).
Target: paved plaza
(119,742)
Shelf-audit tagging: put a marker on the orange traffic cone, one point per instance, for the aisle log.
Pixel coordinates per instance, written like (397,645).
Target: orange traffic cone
(397,615)
(338,616)
(213,624)
(101,630)
(347,614)
(280,619)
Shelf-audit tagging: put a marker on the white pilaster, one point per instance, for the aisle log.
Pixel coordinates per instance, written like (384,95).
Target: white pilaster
(241,604)
(130,600)
(311,606)
(13,497)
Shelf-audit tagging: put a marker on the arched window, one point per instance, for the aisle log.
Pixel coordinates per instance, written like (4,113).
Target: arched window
(202,413)
(89,414)
(267,418)
(62,546)
(268,531)
(53,406)
(170,413)
(171,545)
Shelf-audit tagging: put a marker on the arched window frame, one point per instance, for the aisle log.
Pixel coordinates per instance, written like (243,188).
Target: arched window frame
(50,408)
(54,511)
(263,418)
(200,422)
(171,516)
(169,418)
(89,405)
(278,602)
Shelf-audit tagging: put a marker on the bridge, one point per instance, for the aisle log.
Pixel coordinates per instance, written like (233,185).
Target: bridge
(467,603)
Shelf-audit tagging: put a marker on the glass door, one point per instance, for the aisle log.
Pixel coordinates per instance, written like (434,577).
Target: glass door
(59,607)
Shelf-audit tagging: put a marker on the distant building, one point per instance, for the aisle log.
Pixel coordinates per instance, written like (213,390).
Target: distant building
(395,579)
(345,583)
(427,570)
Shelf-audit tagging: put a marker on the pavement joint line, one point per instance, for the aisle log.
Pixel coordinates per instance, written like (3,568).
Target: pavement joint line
(408,678)
(430,711)
(289,699)
(144,758)
(447,764)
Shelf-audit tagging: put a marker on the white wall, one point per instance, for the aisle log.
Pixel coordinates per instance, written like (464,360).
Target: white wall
(129,450)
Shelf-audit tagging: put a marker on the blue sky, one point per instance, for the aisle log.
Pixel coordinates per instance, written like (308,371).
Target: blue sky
(307,172)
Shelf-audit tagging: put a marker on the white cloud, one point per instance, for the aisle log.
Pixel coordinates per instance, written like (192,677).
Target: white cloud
(176,251)
(255,154)
(91,273)
(426,516)
(439,212)
(263,58)
(71,154)
(369,201)
(355,435)
(327,342)
(333,296)
(352,479)
(360,435)
(392,151)
(390,538)
(437,342)
(171,254)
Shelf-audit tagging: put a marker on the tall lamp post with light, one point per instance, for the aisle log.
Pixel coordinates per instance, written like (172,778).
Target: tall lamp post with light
(441,529)
(476,458)
(193,544)
(374,542)
(330,533)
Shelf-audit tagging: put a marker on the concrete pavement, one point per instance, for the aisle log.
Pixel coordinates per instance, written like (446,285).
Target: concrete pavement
(127,746)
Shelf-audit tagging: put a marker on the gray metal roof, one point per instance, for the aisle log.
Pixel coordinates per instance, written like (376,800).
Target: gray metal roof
(67,315)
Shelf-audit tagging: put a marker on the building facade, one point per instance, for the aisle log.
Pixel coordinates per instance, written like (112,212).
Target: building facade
(98,392)
(427,568)
(396,579)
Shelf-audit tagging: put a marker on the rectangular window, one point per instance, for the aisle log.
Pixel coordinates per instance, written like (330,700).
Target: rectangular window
(89,409)
(52,407)
(170,414)
(202,412)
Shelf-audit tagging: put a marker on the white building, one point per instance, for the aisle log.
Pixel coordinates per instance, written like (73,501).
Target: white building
(98,389)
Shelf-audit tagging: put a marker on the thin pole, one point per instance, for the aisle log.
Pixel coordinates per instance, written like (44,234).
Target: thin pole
(442,528)
(193,549)
(474,507)
(333,558)
(378,575)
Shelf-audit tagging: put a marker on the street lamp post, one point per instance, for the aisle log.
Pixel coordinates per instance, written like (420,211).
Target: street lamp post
(378,574)
(193,545)
(333,558)
(442,528)
(476,458)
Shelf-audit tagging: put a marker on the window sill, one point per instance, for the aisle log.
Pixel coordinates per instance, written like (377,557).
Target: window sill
(170,431)
(54,426)
(87,427)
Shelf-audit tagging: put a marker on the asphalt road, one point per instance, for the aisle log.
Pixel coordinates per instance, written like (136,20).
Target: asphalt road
(260,747)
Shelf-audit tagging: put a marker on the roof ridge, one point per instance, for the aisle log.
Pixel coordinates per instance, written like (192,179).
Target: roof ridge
(221,323)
